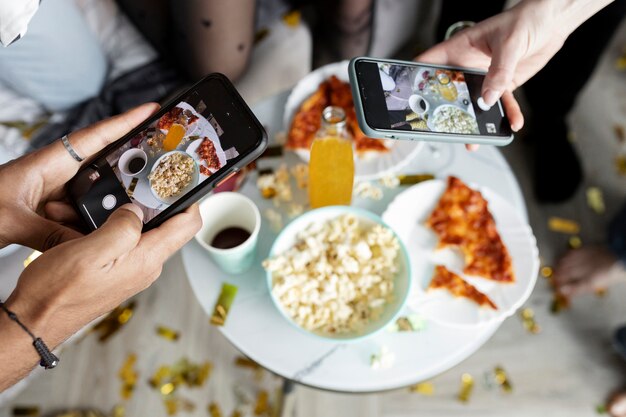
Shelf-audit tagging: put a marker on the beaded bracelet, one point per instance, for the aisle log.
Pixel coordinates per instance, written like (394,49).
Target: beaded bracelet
(48,359)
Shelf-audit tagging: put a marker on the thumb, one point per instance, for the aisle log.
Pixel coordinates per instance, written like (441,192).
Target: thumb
(117,236)
(499,78)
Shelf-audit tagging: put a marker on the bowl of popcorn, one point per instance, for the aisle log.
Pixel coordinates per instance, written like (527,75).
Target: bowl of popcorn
(339,273)
(173,175)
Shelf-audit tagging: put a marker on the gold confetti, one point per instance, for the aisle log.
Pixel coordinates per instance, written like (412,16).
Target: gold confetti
(114,321)
(262,404)
(600,292)
(424,388)
(223,305)
(30,411)
(574,242)
(559,303)
(128,376)
(167,333)
(132,186)
(118,411)
(467,385)
(561,225)
(175,404)
(620,63)
(236,413)
(600,409)
(595,200)
(528,321)
(547,272)
(34,255)
(243,362)
(292,19)
(502,379)
(167,389)
(406,179)
(620,164)
(214,410)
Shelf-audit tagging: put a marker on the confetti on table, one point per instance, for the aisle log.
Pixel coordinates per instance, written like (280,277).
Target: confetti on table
(132,186)
(559,303)
(503,379)
(262,406)
(561,225)
(406,179)
(424,388)
(600,409)
(236,413)
(292,19)
(167,333)
(80,413)
(620,164)
(175,404)
(243,362)
(600,292)
(129,376)
(114,321)
(118,411)
(215,410)
(30,411)
(467,385)
(574,242)
(595,200)
(166,379)
(223,305)
(34,255)
(260,35)
(528,320)
(547,272)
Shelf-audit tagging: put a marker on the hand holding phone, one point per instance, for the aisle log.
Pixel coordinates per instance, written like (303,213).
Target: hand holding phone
(415,101)
(196,141)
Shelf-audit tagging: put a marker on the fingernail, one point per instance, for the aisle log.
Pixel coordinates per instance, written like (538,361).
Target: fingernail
(135,209)
(491,96)
(473,147)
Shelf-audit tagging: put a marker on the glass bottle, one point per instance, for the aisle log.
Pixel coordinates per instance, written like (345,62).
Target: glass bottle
(331,165)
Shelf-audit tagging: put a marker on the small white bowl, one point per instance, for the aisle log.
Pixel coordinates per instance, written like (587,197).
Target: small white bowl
(195,179)
(128,156)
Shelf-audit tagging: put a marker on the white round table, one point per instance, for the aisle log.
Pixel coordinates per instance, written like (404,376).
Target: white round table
(258,330)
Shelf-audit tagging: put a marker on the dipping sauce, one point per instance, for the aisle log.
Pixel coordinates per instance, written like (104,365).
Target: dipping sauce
(230,237)
(136,165)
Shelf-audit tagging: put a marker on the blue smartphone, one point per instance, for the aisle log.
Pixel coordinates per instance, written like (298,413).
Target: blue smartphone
(416,101)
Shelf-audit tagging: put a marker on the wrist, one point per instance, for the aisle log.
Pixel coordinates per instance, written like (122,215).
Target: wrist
(37,317)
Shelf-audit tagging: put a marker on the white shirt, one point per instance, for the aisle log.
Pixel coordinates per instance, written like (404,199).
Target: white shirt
(14,18)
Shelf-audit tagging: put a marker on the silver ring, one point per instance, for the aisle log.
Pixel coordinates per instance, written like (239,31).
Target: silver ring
(68,146)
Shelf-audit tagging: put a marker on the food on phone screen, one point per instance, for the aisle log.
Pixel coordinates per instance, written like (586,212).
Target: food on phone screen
(452,119)
(458,287)
(207,152)
(172,175)
(462,220)
(173,137)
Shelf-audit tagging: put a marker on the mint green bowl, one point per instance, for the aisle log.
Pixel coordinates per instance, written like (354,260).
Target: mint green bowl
(402,281)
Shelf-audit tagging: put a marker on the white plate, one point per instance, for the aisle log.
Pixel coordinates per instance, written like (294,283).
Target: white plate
(369,166)
(407,214)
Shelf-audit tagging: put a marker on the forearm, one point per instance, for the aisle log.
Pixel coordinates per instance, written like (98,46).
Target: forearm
(17,354)
(570,14)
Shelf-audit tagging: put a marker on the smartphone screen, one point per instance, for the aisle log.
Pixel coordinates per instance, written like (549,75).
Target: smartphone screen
(201,135)
(425,98)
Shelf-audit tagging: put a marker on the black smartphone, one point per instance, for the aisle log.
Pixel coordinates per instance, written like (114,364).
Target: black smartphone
(416,101)
(193,143)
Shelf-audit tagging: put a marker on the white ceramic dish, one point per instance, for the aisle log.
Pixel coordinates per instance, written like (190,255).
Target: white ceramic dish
(369,166)
(402,283)
(407,214)
(194,180)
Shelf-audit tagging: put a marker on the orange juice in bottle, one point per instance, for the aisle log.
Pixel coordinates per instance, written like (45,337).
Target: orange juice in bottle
(331,167)
(174,135)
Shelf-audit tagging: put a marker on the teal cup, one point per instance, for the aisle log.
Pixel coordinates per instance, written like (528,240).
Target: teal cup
(226,210)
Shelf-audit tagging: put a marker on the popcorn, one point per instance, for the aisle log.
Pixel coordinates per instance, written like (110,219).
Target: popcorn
(338,276)
(367,190)
(172,175)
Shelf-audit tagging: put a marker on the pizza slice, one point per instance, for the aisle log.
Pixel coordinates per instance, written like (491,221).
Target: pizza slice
(169,118)
(462,219)
(207,152)
(458,287)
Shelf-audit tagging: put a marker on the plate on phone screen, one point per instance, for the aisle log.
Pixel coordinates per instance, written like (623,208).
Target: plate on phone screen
(369,165)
